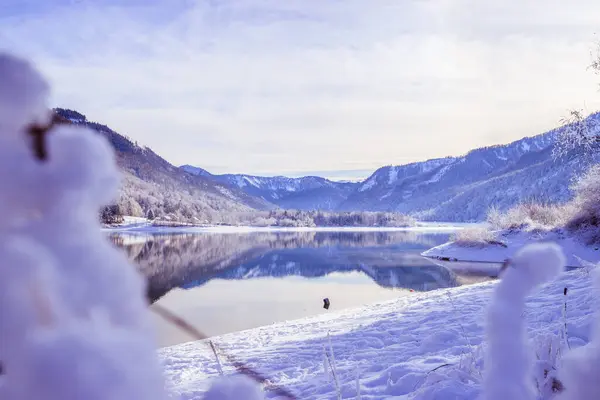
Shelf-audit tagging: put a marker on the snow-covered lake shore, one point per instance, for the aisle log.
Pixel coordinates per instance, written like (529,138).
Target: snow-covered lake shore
(510,243)
(425,345)
(144,226)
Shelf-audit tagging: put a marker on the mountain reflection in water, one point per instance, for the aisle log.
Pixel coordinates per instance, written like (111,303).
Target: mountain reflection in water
(390,259)
(216,271)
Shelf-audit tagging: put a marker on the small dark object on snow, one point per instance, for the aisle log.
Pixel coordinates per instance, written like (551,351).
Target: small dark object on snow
(557,386)
(326,304)
(565,291)
(447,259)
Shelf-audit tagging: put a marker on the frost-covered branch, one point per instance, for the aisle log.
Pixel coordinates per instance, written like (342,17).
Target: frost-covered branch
(581,367)
(74,322)
(508,363)
(578,133)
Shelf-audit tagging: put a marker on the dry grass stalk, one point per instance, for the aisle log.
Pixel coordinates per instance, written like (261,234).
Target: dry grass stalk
(239,366)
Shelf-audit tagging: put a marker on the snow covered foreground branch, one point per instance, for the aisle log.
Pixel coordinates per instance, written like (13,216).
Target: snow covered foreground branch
(74,322)
(509,367)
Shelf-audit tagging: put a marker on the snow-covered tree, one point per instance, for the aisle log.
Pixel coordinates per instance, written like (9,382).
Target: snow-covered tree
(579,133)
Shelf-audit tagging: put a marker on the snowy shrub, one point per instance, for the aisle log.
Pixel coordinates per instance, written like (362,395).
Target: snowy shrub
(475,237)
(508,362)
(549,350)
(74,323)
(581,367)
(578,136)
(586,218)
(529,216)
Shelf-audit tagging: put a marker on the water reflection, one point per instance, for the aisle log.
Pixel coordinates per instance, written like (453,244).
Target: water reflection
(390,259)
(238,281)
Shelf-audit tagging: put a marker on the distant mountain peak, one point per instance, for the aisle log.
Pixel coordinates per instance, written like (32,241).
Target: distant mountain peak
(71,115)
(303,193)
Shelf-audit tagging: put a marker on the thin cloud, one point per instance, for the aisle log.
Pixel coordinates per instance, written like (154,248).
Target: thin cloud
(259,85)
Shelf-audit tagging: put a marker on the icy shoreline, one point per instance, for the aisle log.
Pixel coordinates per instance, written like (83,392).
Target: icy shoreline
(511,242)
(424,344)
(147,228)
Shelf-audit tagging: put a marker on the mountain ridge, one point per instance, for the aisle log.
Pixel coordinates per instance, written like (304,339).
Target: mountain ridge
(428,189)
(454,188)
(304,193)
(154,188)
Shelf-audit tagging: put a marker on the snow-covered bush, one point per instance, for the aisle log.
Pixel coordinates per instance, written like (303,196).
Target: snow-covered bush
(508,362)
(529,216)
(581,215)
(578,136)
(581,367)
(475,237)
(74,321)
(586,206)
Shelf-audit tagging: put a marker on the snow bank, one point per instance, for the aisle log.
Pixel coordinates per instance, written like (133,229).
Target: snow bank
(511,243)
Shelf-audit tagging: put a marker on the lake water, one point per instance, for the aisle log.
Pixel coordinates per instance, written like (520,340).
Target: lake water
(225,282)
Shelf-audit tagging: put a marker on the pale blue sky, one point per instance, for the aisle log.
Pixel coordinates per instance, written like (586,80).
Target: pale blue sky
(274,86)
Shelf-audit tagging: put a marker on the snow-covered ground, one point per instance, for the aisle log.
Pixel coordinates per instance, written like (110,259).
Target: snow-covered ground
(574,249)
(129,223)
(423,345)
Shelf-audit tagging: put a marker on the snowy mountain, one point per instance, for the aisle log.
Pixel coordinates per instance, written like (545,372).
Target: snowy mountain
(153,187)
(306,193)
(445,189)
(465,188)
(430,189)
